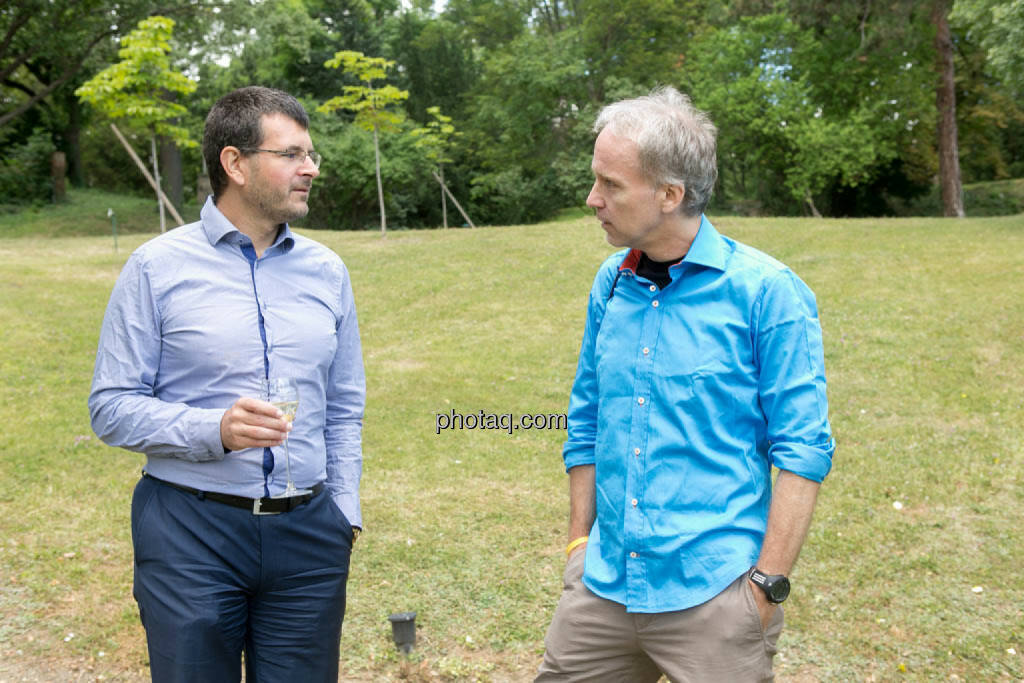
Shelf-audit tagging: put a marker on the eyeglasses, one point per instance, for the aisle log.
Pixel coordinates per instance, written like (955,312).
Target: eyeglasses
(298,156)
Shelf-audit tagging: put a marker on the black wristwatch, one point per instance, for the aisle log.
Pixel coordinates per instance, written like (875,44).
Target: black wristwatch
(775,586)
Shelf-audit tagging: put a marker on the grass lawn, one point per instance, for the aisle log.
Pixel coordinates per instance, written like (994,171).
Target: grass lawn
(912,570)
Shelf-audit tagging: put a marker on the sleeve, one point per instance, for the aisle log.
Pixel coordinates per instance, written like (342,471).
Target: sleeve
(584,398)
(346,401)
(123,406)
(791,384)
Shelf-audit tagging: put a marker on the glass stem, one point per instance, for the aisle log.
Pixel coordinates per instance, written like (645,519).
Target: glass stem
(288,464)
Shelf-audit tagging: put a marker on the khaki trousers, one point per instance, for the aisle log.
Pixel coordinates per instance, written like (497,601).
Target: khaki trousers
(593,639)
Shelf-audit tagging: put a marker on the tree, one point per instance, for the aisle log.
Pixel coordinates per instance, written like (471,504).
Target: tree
(372,106)
(639,40)
(437,65)
(998,25)
(50,47)
(135,89)
(774,128)
(435,138)
(950,186)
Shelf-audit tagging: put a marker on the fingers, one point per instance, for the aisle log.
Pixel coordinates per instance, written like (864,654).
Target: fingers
(251,423)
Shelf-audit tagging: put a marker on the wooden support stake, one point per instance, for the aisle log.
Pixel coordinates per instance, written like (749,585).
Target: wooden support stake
(452,197)
(142,167)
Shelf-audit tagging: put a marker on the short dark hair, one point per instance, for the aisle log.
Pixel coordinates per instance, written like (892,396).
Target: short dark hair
(236,121)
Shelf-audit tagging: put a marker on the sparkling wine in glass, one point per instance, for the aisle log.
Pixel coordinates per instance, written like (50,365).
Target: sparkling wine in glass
(283,392)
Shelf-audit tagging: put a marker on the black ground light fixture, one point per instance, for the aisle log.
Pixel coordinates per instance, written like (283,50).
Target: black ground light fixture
(403,630)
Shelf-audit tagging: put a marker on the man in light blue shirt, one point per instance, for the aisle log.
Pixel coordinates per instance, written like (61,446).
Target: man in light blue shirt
(225,560)
(701,368)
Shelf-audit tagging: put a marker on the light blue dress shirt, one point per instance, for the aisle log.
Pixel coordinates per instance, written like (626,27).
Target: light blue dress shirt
(684,398)
(195,322)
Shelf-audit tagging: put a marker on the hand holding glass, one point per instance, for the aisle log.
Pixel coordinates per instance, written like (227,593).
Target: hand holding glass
(283,393)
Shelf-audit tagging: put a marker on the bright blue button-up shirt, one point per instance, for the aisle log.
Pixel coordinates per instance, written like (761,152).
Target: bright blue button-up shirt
(684,398)
(195,322)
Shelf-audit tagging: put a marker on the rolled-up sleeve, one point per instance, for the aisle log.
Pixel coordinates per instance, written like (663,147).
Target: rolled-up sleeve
(122,405)
(791,384)
(346,400)
(583,400)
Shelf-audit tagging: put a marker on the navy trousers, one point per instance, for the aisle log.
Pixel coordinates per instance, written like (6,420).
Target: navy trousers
(213,581)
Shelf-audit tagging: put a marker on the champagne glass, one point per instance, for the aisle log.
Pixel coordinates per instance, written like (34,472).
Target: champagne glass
(283,392)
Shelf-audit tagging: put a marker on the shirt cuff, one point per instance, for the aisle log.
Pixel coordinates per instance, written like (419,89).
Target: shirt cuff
(349,505)
(208,444)
(809,462)
(576,455)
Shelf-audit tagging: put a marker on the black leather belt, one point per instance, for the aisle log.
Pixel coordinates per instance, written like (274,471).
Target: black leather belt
(259,506)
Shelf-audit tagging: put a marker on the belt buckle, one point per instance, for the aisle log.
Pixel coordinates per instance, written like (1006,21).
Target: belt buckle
(257,503)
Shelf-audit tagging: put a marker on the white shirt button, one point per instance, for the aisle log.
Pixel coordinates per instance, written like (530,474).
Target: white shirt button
(636,451)
(646,350)
(653,288)
(634,502)
(633,555)
(640,400)
(655,303)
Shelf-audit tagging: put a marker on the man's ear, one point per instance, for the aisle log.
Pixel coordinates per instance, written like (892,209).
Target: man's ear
(671,197)
(233,163)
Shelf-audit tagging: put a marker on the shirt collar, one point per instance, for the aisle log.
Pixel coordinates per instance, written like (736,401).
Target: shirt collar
(217,228)
(706,250)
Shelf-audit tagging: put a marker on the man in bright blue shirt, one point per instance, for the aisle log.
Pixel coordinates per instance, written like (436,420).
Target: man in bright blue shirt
(199,318)
(701,367)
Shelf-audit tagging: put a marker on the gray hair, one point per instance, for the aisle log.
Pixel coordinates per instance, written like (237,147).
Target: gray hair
(675,141)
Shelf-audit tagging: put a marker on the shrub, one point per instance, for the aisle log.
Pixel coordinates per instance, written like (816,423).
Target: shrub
(25,172)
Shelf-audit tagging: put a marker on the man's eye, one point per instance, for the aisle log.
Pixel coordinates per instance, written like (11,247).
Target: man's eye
(292,154)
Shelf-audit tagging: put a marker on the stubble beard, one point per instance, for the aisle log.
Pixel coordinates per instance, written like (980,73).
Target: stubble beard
(277,207)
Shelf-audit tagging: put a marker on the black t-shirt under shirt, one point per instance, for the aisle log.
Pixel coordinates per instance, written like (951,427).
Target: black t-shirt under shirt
(655,271)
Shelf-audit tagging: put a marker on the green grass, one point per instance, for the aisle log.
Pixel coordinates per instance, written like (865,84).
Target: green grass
(924,325)
(85,213)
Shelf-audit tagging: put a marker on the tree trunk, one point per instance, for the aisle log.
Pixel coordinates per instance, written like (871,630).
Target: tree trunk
(945,100)
(170,162)
(58,170)
(156,177)
(380,185)
(72,140)
(444,200)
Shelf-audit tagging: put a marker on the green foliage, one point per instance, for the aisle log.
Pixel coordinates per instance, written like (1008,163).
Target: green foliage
(999,27)
(753,78)
(490,24)
(373,107)
(827,100)
(135,88)
(344,196)
(438,64)
(25,173)
(641,40)
(435,138)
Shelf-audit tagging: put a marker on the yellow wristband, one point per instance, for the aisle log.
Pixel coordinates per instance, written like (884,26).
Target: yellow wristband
(579,541)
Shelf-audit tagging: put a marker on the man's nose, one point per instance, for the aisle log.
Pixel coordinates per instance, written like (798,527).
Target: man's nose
(594,200)
(309,168)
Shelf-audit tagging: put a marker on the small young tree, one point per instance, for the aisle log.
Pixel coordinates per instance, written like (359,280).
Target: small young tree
(135,90)
(435,139)
(371,105)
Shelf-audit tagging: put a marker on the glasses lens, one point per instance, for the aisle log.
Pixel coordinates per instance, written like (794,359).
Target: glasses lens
(315,158)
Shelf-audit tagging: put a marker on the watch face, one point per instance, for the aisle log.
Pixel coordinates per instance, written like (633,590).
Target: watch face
(778,590)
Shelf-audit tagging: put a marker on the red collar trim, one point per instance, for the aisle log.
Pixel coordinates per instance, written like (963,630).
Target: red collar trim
(631,261)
